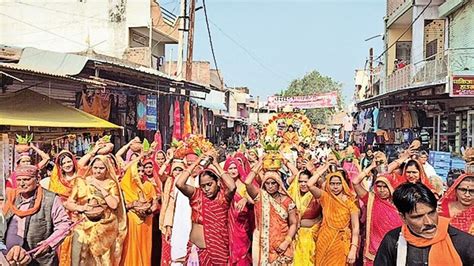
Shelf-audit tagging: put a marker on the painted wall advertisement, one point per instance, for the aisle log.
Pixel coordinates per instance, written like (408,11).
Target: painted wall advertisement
(462,86)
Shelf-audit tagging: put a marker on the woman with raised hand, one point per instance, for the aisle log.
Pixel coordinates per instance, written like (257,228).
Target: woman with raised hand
(276,219)
(338,237)
(210,203)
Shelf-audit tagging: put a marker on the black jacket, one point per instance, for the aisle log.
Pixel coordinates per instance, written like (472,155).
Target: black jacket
(387,252)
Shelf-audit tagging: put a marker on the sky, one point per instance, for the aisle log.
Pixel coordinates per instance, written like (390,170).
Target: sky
(265,44)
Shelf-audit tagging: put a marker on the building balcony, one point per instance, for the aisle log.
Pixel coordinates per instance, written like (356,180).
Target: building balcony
(164,22)
(398,9)
(434,70)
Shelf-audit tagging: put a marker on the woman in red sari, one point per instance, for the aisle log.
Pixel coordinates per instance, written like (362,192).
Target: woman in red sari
(210,203)
(412,172)
(382,215)
(240,216)
(458,203)
(276,219)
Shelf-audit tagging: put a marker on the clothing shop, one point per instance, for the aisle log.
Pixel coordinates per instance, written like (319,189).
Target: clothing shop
(441,117)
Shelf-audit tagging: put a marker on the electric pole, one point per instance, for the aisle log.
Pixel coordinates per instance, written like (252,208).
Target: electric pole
(371,71)
(189,58)
(181,29)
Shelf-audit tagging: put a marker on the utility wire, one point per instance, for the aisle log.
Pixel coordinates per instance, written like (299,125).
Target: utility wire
(406,30)
(210,41)
(249,53)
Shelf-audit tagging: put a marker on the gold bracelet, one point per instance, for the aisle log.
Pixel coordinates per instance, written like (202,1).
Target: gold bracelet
(289,239)
(355,245)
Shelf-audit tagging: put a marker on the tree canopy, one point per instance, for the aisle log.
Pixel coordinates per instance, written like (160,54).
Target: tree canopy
(312,83)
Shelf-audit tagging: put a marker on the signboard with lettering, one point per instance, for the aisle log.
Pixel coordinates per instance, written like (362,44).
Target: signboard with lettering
(462,86)
(320,100)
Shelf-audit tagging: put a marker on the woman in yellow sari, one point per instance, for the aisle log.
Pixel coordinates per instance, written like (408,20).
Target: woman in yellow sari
(338,237)
(141,201)
(61,182)
(310,218)
(98,239)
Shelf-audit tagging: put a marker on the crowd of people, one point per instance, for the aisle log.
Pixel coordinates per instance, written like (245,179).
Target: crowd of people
(319,206)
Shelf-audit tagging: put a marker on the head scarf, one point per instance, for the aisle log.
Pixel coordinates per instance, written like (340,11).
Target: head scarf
(177,163)
(277,178)
(386,180)
(464,220)
(237,163)
(13,194)
(450,194)
(22,155)
(345,186)
(423,178)
(13,176)
(244,161)
(58,184)
(155,177)
(156,153)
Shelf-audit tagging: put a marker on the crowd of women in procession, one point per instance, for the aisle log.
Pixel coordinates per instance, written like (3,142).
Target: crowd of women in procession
(155,208)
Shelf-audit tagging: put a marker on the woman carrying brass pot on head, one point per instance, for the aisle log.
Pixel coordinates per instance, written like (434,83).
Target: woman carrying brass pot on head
(98,239)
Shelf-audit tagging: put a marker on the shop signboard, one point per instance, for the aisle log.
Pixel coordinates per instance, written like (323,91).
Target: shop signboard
(319,100)
(151,112)
(462,86)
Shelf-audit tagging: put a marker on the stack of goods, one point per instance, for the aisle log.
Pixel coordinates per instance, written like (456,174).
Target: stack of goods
(441,161)
(458,163)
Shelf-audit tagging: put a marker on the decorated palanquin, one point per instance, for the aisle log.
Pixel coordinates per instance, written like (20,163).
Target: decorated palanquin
(288,129)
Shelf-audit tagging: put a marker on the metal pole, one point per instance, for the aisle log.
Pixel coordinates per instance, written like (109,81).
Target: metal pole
(258,109)
(439,129)
(371,59)
(181,29)
(189,59)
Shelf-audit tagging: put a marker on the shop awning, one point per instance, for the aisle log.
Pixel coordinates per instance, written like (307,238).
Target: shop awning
(215,100)
(29,108)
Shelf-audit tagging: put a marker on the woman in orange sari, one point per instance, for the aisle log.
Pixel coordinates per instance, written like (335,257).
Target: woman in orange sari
(276,219)
(98,239)
(458,203)
(141,201)
(61,182)
(338,237)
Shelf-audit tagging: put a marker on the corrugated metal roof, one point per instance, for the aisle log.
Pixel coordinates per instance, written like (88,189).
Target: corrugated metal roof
(52,62)
(20,68)
(67,65)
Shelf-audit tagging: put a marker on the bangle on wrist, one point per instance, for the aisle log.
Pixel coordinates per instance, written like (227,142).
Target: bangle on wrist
(289,239)
(355,245)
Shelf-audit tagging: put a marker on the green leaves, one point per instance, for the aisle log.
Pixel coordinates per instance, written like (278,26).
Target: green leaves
(311,83)
(24,140)
(146,145)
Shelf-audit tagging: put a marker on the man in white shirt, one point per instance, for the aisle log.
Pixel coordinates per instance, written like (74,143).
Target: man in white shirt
(423,159)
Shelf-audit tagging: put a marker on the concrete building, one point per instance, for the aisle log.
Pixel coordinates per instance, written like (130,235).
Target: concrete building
(136,30)
(428,65)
